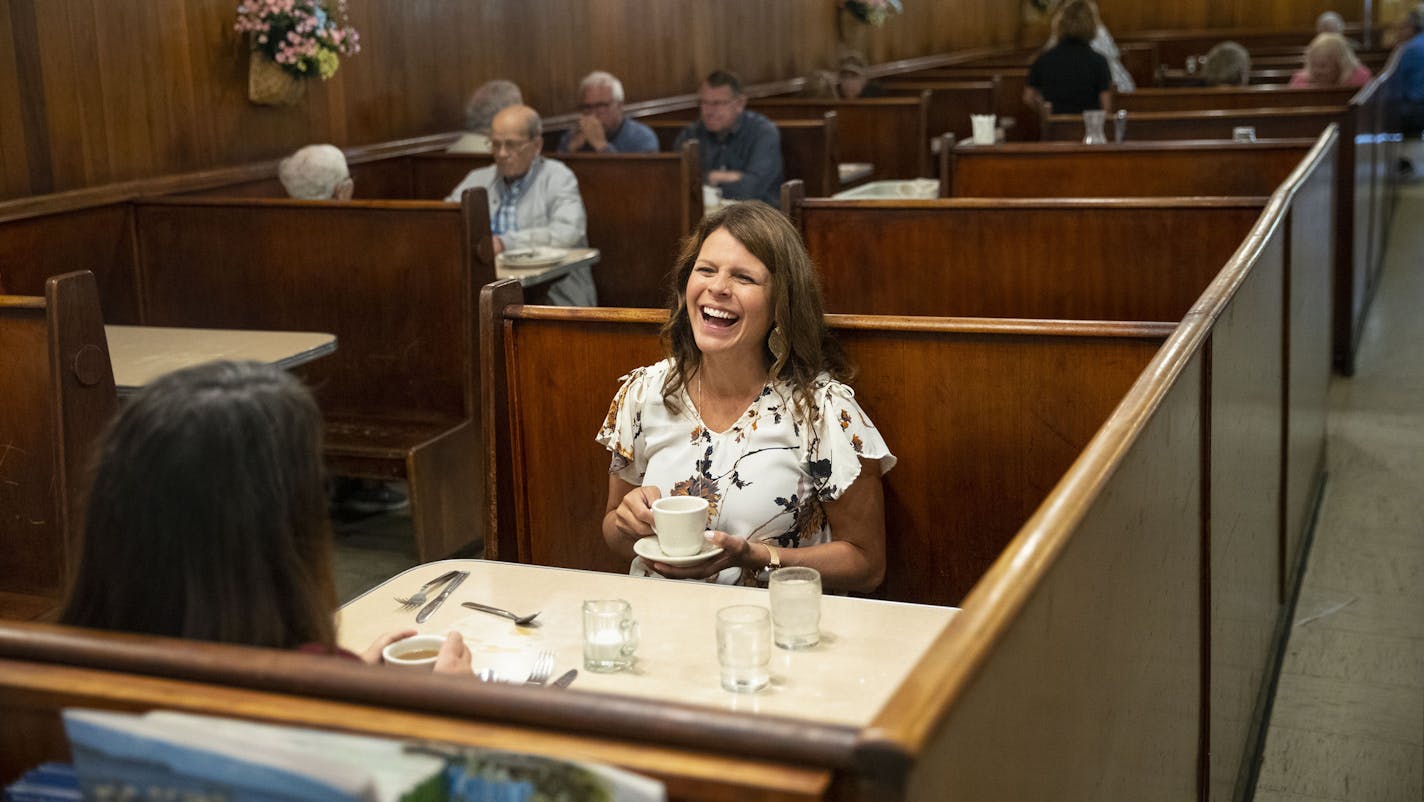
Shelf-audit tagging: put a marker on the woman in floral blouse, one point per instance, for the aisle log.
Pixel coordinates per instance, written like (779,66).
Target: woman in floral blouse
(749,411)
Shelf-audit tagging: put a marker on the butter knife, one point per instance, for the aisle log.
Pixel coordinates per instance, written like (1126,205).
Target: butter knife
(439,600)
(565,679)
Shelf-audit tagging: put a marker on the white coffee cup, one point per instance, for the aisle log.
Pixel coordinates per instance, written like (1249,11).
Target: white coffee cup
(983,127)
(418,652)
(679,522)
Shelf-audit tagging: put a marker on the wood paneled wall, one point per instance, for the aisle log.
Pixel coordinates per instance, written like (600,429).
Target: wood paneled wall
(1122,16)
(97,91)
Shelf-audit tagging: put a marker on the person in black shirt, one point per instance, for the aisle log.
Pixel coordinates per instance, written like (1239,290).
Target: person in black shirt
(1071,76)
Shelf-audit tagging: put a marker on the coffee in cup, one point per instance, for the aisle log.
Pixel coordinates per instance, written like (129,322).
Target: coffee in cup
(417,652)
(679,522)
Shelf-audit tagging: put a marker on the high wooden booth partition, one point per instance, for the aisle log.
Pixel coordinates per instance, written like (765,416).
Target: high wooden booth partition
(1117,647)
(59,395)
(396,282)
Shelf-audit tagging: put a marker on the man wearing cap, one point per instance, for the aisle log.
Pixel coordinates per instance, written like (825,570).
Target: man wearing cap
(855,79)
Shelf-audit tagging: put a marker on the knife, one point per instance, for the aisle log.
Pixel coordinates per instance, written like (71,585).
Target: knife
(439,600)
(565,678)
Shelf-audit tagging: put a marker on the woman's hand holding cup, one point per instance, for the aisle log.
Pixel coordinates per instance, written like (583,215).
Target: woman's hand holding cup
(634,516)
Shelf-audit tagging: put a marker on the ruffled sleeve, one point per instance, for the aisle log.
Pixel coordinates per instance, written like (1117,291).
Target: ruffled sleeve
(622,430)
(840,437)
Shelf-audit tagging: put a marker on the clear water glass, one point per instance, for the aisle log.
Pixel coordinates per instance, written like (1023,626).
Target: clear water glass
(610,635)
(744,647)
(795,607)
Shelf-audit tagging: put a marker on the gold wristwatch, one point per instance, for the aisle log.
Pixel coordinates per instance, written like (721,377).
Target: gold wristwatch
(774,560)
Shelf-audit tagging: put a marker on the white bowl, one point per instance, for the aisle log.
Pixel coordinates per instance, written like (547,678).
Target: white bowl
(391,655)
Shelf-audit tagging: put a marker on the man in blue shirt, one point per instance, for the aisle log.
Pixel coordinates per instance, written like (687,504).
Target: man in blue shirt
(741,150)
(1410,72)
(601,125)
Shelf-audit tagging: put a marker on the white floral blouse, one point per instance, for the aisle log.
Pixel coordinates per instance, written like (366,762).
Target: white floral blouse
(766,478)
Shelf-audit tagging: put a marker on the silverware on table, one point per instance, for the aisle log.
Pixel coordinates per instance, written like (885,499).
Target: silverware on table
(565,679)
(439,600)
(543,667)
(519,620)
(417,598)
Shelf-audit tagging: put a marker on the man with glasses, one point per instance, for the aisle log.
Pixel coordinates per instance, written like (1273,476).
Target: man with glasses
(601,124)
(741,150)
(533,200)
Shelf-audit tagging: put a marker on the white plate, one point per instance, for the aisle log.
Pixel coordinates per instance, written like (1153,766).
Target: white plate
(647,548)
(537,256)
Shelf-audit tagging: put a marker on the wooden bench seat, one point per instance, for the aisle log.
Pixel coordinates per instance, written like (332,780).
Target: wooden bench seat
(891,133)
(394,281)
(1020,123)
(639,206)
(1127,169)
(951,102)
(1234,97)
(984,415)
(1040,258)
(56,398)
(810,149)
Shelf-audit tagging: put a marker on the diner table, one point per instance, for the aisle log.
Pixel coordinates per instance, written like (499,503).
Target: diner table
(867,647)
(534,276)
(140,354)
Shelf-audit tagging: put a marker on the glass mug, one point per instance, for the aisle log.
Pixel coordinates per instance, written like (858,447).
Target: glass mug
(610,635)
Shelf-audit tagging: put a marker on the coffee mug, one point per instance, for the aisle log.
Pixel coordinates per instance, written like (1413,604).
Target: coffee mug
(418,652)
(679,522)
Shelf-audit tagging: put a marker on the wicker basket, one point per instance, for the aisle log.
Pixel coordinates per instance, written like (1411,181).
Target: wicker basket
(270,85)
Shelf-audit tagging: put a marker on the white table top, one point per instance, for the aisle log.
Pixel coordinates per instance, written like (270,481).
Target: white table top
(866,651)
(850,172)
(530,276)
(141,354)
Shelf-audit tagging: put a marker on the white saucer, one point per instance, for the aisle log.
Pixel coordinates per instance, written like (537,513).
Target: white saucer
(536,256)
(647,548)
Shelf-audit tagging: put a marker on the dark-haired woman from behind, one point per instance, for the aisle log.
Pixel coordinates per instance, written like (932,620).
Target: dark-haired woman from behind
(207,518)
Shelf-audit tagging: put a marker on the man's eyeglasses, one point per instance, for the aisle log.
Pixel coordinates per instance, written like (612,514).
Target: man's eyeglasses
(589,108)
(497,145)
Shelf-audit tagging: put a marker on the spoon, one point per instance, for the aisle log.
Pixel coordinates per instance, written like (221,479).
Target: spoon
(519,620)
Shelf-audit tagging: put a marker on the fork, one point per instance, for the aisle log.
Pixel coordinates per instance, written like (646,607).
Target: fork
(543,667)
(418,598)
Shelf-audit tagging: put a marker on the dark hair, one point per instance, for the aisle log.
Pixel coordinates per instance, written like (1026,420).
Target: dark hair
(207,514)
(727,79)
(795,303)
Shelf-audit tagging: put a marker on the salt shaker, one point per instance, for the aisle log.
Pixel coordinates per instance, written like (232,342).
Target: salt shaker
(1120,125)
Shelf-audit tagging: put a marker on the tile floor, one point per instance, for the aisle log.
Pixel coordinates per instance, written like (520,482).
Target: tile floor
(1348,719)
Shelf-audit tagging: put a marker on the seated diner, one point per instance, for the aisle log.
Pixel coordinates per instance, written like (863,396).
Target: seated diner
(749,411)
(207,519)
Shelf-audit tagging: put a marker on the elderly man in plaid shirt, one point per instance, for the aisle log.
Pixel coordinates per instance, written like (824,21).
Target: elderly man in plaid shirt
(533,200)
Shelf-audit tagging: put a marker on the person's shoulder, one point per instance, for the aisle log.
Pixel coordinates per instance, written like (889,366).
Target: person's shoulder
(555,169)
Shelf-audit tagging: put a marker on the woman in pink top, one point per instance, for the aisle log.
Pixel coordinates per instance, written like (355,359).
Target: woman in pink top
(1329,61)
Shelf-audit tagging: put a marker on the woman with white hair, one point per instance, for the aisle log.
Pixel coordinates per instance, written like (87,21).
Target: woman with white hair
(1329,61)
(316,172)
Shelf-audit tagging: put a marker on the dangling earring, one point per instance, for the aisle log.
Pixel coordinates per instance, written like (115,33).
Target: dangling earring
(776,341)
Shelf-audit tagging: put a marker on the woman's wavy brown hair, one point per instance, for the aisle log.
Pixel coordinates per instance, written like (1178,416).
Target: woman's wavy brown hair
(797,310)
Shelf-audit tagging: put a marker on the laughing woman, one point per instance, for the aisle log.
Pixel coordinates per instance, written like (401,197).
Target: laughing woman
(749,410)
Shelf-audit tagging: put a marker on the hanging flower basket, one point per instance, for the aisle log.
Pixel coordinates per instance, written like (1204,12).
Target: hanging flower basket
(270,85)
(293,40)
